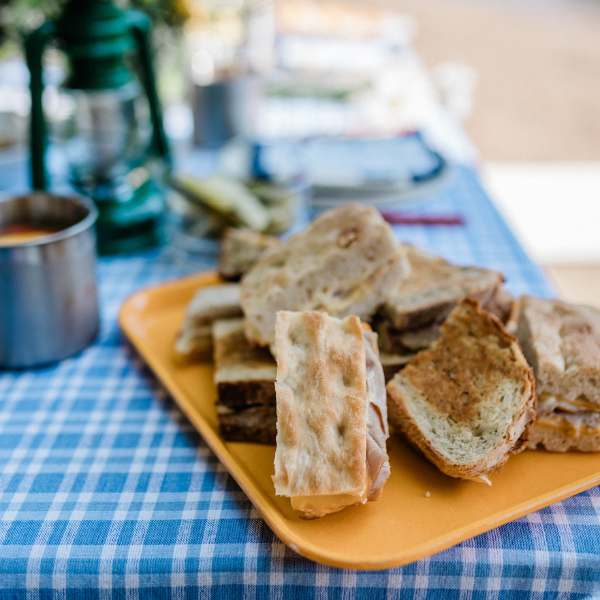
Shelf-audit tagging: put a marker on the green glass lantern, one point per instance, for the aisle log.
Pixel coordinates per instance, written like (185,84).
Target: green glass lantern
(108,120)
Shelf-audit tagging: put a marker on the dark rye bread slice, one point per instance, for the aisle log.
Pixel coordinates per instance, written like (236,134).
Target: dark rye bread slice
(467,403)
(245,380)
(433,288)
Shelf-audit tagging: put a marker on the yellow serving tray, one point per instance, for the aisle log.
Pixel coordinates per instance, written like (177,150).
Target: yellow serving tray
(406,524)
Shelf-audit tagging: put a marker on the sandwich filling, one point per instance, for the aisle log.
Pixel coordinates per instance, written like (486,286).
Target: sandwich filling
(378,463)
(571,418)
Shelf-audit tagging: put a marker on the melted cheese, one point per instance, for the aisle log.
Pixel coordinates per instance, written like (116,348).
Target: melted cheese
(571,425)
(571,418)
(483,478)
(551,402)
(318,506)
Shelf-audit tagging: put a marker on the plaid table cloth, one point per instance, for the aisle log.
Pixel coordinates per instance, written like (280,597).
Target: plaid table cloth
(107,492)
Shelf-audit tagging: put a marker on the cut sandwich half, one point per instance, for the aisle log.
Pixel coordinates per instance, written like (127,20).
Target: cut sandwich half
(468,402)
(409,321)
(195,341)
(331,413)
(561,342)
(434,288)
(245,382)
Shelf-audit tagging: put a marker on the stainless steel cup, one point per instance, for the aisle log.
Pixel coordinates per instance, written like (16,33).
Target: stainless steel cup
(48,299)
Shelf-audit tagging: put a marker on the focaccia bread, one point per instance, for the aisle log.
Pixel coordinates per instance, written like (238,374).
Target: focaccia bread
(346,262)
(241,249)
(331,421)
(194,341)
(467,403)
(245,381)
(561,341)
(434,288)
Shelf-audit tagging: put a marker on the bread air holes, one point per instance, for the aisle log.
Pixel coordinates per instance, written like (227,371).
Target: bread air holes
(341,429)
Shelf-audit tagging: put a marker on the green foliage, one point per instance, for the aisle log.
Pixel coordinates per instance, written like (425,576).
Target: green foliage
(17,16)
(163,12)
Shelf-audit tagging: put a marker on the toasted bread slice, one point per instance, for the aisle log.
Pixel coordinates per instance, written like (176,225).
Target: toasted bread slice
(346,262)
(467,402)
(194,341)
(331,414)
(434,288)
(561,341)
(241,249)
(245,381)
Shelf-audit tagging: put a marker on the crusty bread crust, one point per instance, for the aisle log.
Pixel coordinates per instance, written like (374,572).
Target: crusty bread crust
(433,288)
(465,373)
(321,406)
(346,262)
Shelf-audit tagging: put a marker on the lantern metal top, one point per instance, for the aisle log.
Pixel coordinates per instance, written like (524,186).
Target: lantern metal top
(95,34)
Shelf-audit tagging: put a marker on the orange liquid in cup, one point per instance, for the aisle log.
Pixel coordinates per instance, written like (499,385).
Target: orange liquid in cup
(13,235)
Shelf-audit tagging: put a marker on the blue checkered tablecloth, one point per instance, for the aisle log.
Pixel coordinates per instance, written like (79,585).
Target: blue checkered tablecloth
(107,492)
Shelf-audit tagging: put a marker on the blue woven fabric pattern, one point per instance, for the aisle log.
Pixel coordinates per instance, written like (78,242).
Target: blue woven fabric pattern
(107,492)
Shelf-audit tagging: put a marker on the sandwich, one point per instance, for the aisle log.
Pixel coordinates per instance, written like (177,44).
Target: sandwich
(410,319)
(194,341)
(561,341)
(240,249)
(331,414)
(245,382)
(468,402)
(346,262)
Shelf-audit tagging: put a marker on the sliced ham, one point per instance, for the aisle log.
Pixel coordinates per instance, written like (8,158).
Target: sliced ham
(377,423)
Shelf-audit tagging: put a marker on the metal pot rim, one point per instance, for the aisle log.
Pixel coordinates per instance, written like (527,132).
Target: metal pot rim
(70,231)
